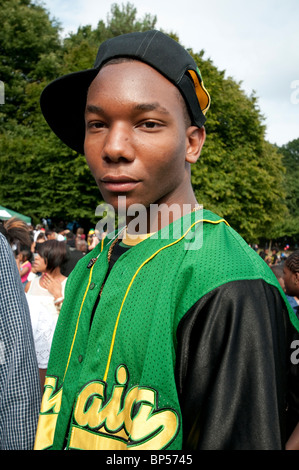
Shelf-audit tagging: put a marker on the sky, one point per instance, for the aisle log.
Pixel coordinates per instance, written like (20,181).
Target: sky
(256,43)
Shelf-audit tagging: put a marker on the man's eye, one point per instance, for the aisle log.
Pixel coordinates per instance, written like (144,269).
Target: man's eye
(95,125)
(150,124)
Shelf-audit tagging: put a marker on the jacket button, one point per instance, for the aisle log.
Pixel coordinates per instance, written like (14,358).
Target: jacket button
(80,358)
(92,286)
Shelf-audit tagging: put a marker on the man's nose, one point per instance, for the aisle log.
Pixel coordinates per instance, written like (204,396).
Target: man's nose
(118,144)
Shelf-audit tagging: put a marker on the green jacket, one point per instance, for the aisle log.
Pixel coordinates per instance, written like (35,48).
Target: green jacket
(127,376)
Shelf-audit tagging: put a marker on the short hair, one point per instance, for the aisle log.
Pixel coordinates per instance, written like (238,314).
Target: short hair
(277,269)
(292,262)
(16,232)
(53,253)
(26,251)
(41,236)
(70,235)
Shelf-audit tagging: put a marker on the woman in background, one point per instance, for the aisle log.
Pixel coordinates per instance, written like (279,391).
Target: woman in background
(45,295)
(291,276)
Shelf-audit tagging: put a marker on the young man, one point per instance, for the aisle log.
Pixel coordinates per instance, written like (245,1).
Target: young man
(173,337)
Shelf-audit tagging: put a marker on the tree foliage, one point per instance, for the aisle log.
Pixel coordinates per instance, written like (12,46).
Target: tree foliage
(28,39)
(290,160)
(239,175)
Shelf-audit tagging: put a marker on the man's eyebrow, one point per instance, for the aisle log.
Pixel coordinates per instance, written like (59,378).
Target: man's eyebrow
(151,107)
(91,108)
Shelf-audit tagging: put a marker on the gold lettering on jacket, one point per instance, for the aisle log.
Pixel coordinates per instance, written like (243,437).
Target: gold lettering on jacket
(130,419)
(50,408)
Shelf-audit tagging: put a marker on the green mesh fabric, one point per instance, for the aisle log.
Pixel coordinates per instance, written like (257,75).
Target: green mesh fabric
(127,358)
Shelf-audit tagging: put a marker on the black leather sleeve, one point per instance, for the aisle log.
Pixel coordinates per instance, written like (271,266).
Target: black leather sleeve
(231,369)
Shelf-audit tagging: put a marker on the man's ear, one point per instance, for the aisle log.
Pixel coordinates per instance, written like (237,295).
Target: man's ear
(196,137)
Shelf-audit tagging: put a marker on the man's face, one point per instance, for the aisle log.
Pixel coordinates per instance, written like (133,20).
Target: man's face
(291,282)
(136,138)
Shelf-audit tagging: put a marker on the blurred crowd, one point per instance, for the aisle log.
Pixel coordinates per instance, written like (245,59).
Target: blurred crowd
(45,258)
(285,266)
(27,247)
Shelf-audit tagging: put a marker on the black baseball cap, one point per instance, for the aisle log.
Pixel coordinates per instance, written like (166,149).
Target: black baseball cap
(63,100)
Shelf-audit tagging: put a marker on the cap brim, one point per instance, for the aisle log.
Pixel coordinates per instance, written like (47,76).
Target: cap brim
(63,104)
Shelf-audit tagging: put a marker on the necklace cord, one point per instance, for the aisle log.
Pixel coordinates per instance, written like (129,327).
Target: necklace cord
(127,292)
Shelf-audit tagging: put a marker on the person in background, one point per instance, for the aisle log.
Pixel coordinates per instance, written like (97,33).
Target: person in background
(80,233)
(82,246)
(90,236)
(73,254)
(61,234)
(45,295)
(291,273)
(274,256)
(264,253)
(94,239)
(278,269)
(20,394)
(38,230)
(41,238)
(24,264)
(50,234)
(291,278)
(17,233)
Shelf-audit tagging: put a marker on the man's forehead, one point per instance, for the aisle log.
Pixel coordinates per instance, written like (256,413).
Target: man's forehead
(155,90)
(116,67)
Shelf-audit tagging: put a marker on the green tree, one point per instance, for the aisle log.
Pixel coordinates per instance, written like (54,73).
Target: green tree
(290,154)
(123,20)
(239,175)
(81,47)
(28,39)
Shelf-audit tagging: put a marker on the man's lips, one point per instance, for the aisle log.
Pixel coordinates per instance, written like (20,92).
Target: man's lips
(119,183)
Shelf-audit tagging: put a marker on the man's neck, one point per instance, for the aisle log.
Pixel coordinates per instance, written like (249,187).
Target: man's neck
(158,216)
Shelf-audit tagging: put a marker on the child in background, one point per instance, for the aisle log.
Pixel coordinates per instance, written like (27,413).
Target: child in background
(24,264)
